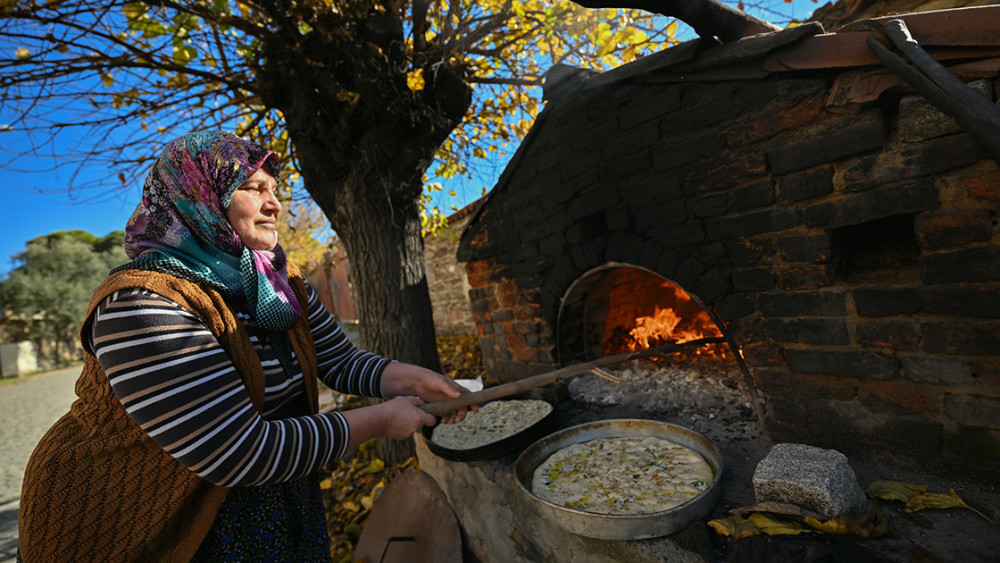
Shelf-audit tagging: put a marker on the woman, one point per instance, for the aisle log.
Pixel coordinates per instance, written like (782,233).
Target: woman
(196,433)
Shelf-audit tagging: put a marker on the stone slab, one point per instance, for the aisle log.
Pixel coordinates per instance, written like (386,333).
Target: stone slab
(814,478)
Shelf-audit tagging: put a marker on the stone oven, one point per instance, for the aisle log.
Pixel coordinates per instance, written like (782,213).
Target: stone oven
(838,231)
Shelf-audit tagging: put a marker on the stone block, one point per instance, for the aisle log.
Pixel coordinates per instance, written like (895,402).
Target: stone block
(843,363)
(919,119)
(953,228)
(880,203)
(898,335)
(951,372)
(810,331)
(808,248)
(806,185)
(969,265)
(753,195)
(814,478)
(961,338)
(819,303)
(860,135)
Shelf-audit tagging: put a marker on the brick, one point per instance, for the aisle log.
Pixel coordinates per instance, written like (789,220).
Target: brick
(897,335)
(618,217)
(735,171)
(742,225)
(806,276)
(924,159)
(644,108)
(712,286)
(710,205)
(593,201)
(808,248)
(677,150)
(969,265)
(688,272)
(810,184)
(809,330)
(961,338)
(973,409)
(846,363)
(982,183)
(887,301)
(857,135)
(753,279)
(683,234)
(951,372)
(753,195)
(734,306)
(952,228)
(667,266)
(809,303)
(789,117)
(748,250)
(901,398)
(880,203)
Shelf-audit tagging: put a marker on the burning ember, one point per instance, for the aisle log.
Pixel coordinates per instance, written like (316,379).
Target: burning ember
(675,318)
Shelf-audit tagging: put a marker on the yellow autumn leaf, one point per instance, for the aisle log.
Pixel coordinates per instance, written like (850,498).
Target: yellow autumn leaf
(22,53)
(939,500)
(839,526)
(350,506)
(326,484)
(374,466)
(774,526)
(415,80)
(894,490)
(735,527)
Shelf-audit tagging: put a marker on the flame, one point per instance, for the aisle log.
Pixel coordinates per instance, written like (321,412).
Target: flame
(680,320)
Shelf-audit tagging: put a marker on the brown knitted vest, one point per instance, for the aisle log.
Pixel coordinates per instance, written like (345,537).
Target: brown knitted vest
(98,489)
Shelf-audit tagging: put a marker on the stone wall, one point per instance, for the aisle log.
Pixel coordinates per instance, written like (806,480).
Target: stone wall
(446,279)
(850,250)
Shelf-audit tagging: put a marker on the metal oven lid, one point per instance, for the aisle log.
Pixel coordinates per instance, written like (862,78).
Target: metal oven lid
(620,526)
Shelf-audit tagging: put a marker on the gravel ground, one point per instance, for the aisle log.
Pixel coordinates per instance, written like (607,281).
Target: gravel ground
(27,410)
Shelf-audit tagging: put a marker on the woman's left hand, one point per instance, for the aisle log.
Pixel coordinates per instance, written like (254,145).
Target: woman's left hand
(401,379)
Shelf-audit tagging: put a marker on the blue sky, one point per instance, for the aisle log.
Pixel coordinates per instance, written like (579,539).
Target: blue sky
(38,203)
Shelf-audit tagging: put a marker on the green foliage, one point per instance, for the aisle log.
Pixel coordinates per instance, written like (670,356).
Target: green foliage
(56,275)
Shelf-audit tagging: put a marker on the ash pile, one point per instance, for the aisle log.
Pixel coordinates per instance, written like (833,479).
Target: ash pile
(702,396)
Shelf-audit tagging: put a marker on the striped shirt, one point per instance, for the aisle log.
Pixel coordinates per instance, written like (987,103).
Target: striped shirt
(178,383)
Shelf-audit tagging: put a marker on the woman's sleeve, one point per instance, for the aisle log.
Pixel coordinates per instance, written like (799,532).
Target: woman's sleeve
(178,383)
(342,366)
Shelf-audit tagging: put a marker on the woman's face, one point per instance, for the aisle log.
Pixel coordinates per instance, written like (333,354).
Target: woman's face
(253,211)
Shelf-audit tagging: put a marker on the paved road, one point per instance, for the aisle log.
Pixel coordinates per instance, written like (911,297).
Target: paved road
(27,410)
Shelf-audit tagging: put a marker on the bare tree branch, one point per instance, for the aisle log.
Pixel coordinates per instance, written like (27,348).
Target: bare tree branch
(709,18)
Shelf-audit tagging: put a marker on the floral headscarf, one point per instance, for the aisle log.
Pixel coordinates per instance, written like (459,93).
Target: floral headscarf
(180,227)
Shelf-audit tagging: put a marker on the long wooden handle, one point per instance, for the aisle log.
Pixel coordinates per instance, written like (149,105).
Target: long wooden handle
(439,408)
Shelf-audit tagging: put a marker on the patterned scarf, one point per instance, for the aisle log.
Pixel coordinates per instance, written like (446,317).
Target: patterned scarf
(180,228)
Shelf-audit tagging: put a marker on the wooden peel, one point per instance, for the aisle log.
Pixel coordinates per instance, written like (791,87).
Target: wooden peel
(440,408)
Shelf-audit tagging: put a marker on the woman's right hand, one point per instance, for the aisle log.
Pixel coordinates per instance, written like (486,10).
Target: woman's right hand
(397,418)
(403,416)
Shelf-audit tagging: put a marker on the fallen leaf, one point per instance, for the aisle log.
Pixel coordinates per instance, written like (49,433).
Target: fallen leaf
(893,490)
(782,508)
(939,500)
(775,526)
(839,526)
(735,527)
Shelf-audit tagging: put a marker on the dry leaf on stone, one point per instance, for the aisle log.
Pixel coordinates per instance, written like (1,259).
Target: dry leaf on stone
(775,526)
(735,527)
(894,490)
(840,526)
(939,500)
(782,508)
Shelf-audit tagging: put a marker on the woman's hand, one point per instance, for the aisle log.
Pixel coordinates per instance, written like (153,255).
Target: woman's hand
(411,380)
(398,419)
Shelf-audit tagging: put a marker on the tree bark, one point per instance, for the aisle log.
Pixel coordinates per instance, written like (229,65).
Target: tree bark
(709,18)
